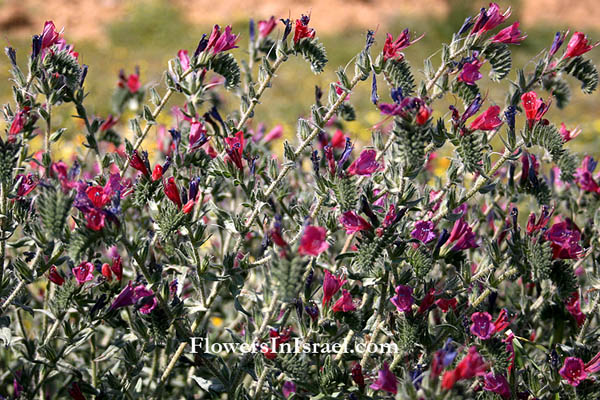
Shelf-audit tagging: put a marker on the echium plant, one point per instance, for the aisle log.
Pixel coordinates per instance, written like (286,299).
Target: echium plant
(478,284)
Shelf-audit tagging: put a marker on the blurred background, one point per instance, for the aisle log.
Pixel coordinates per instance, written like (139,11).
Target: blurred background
(114,34)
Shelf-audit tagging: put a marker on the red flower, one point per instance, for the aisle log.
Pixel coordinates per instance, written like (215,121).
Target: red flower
(509,35)
(353,222)
(235,149)
(534,107)
(302,30)
(55,277)
(338,141)
(157,173)
(564,240)
(392,48)
(95,219)
(488,20)
(573,371)
(97,196)
(172,192)
(220,42)
(18,123)
(313,241)
(139,162)
(133,83)
(117,267)
(75,392)
(573,306)
(470,366)
(427,302)
(331,285)
(487,120)
(357,375)
(578,45)
(344,303)
(108,123)
(470,72)
(446,304)
(423,115)
(106,272)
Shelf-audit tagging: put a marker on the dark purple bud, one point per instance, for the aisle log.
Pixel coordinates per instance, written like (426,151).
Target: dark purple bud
(466,26)
(481,20)
(305,19)
(397,95)
(368,211)
(100,303)
(416,376)
(492,301)
(315,161)
(509,114)
(288,28)
(252,163)
(12,55)
(176,136)
(84,71)
(318,94)
(559,38)
(299,308)
(345,156)
(443,238)
(514,213)
(74,171)
(309,279)
(472,109)
(215,114)
(312,311)
(194,188)
(36,46)
(201,45)
(370,39)
(554,359)
(251,29)
(374,96)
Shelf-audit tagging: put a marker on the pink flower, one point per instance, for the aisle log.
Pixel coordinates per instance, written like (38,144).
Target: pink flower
(487,120)
(584,175)
(509,35)
(573,306)
(117,267)
(18,123)
(568,134)
(27,184)
(274,133)
(133,83)
(573,371)
(534,225)
(344,303)
(470,72)
(184,59)
(197,136)
(109,123)
(424,231)
(392,48)
(338,140)
(564,241)
(140,162)
(84,272)
(97,196)
(462,236)
(403,299)
(578,45)
(288,387)
(266,27)
(145,299)
(365,164)
(534,107)
(497,384)
(95,219)
(302,30)
(386,380)
(482,326)
(353,222)
(314,241)
(331,285)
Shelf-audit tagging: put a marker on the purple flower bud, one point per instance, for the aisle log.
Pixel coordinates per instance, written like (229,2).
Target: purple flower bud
(84,71)
(345,155)
(559,38)
(251,30)
(315,161)
(288,28)
(374,96)
(201,45)
(36,46)
(509,114)
(12,55)
(465,26)
(370,39)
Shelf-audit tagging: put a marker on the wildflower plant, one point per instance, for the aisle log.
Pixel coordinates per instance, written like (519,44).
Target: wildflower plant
(484,280)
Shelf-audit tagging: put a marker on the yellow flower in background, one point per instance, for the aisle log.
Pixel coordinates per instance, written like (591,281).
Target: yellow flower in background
(216,321)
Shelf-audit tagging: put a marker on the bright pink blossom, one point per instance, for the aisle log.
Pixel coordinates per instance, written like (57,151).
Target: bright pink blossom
(497,383)
(266,27)
(331,285)
(510,35)
(403,300)
(482,326)
(487,120)
(365,164)
(386,380)
(573,371)
(314,241)
(568,134)
(470,72)
(578,45)
(344,303)
(84,272)
(353,222)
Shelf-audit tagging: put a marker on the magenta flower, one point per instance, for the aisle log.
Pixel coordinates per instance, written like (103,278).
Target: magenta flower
(578,45)
(184,59)
(462,236)
(573,306)
(593,366)
(568,134)
(266,27)
(49,35)
(386,380)
(84,272)
(392,48)
(353,222)
(470,72)
(314,241)
(584,175)
(344,303)
(509,35)
(490,18)
(18,123)
(497,384)
(331,285)
(470,366)
(221,41)
(482,326)
(26,185)
(446,304)
(288,387)
(365,164)
(55,277)
(235,149)
(564,241)
(403,299)
(487,120)
(197,136)
(145,299)
(424,231)
(573,371)
(534,225)
(124,299)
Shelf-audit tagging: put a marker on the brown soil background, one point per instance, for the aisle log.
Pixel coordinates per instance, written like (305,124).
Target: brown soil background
(87,18)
